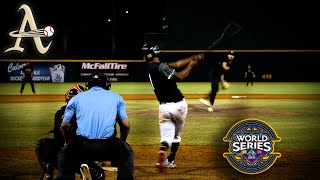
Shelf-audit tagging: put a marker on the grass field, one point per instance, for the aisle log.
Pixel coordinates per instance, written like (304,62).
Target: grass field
(185,87)
(296,121)
(37,118)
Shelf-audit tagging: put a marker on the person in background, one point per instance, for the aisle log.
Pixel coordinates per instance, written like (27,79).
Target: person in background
(217,72)
(27,75)
(249,75)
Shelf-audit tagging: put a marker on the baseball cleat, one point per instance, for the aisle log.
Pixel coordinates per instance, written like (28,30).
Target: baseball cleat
(167,164)
(210,109)
(205,102)
(162,155)
(85,172)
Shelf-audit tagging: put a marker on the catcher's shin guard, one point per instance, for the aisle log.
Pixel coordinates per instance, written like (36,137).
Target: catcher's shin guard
(46,153)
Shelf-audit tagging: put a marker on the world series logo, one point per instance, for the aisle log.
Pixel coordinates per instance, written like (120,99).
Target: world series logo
(251,146)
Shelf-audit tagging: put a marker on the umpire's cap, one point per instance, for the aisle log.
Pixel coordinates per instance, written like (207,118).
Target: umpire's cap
(73,90)
(99,79)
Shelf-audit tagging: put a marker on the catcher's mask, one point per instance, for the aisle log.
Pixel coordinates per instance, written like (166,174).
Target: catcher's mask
(150,50)
(73,90)
(99,79)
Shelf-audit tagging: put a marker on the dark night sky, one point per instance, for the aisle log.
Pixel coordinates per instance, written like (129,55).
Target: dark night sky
(266,25)
(82,30)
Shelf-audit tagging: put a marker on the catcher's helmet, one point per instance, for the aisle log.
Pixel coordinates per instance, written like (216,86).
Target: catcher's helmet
(73,90)
(99,79)
(150,50)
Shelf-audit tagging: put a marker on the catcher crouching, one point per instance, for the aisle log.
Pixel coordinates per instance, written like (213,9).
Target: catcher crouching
(47,149)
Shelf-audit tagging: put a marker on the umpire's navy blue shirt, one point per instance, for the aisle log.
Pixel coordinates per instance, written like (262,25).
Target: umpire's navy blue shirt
(96,111)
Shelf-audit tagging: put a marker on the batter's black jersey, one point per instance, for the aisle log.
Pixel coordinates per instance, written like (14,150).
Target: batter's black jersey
(161,77)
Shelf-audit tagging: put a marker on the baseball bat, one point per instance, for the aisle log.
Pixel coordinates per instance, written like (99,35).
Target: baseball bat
(229,31)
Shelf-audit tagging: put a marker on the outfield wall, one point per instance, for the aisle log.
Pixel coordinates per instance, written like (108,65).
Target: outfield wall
(269,66)
(104,30)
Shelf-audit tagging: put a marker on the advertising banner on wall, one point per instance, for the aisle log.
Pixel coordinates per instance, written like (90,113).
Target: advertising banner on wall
(263,65)
(74,71)
(115,71)
(43,72)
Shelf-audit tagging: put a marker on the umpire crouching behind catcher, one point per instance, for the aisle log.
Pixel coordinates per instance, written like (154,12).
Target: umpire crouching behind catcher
(96,112)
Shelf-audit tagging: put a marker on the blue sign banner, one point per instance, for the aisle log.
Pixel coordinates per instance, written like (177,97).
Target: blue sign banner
(43,72)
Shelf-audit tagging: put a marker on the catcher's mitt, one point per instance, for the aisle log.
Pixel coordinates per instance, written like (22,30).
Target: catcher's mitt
(225,85)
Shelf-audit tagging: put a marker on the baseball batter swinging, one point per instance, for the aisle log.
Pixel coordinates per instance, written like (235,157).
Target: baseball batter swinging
(173,107)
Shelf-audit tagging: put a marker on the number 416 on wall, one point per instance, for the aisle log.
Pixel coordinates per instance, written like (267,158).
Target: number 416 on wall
(266,76)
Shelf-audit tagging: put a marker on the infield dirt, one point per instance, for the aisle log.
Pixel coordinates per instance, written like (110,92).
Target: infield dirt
(193,162)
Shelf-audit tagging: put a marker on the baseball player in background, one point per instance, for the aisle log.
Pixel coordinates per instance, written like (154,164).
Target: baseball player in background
(173,107)
(249,75)
(27,77)
(216,76)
